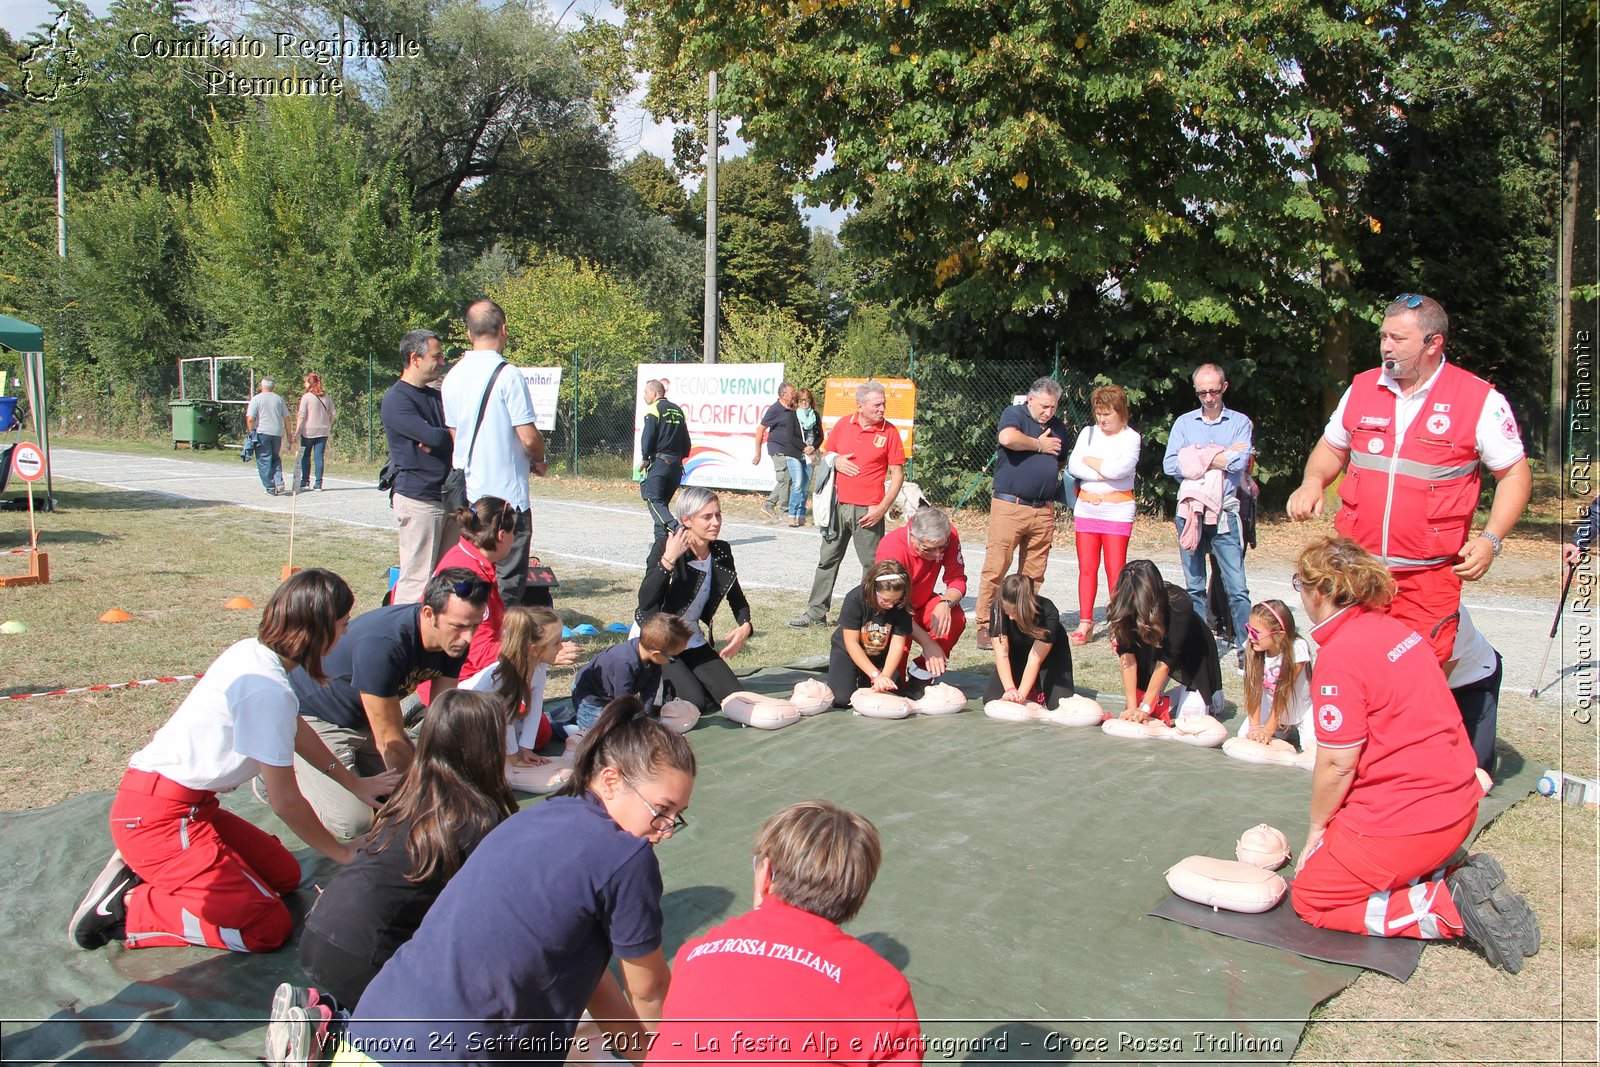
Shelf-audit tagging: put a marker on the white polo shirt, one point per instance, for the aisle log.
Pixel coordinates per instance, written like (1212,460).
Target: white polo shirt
(498,466)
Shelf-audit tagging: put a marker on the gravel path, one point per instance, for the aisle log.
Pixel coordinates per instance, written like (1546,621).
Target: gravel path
(776,557)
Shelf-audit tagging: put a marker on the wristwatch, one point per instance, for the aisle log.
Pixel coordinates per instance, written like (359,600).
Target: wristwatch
(1493,540)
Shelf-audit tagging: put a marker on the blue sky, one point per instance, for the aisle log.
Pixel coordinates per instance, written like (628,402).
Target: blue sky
(633,129)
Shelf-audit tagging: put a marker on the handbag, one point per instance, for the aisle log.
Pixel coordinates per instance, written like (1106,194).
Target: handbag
(1067,494)
(453,494)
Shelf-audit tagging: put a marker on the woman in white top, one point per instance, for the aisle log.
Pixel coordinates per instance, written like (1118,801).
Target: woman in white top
(186,872)
(1102,460)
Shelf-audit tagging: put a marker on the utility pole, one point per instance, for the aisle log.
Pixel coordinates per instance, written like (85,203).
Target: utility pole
(61,191)
(713,130)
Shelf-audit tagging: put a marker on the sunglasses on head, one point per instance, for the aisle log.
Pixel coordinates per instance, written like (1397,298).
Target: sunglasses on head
(1410,300)
(471,589)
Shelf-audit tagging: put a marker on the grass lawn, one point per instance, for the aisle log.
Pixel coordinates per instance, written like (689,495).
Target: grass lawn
(173,565)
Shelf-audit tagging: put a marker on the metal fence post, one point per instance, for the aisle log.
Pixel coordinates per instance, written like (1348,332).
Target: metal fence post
(577,362)
(911,372)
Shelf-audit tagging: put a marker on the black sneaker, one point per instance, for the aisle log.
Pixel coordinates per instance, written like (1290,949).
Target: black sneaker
(1497,920)
(101,915)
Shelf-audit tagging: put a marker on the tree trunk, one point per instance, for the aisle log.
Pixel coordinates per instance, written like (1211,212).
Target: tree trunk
(1553,452)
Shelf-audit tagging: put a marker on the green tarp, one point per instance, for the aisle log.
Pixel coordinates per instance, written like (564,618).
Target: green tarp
(20,336)
(1019,862)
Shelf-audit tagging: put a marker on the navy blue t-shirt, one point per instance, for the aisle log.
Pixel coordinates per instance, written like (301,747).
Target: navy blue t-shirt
(783,431)
(618,671)
(1030,475)
(381,654)
(522,932)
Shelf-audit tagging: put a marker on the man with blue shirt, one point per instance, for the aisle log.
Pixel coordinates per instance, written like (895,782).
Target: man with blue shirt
(498,459)
(1027,476)
(1214,426)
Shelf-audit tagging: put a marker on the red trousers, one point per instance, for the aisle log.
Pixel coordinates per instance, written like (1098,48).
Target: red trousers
(1090,547)
(210,877)
(1382,886)
(1429,602)
(958,626)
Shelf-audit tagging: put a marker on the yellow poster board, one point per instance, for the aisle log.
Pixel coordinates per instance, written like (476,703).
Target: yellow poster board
(900,394)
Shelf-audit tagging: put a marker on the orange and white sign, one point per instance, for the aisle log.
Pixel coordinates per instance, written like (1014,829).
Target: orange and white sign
(28,462)
(900,395)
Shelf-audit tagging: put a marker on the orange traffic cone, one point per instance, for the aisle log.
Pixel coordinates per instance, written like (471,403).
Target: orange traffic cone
(239,603)
(115,615)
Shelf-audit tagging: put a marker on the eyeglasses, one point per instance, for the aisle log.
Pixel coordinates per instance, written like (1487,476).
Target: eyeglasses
(1208,392)
(929,551)
(1410,300)
(1299,584)
(1259,635)
(662,823)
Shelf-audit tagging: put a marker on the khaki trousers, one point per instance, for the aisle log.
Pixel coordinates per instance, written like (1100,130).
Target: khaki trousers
(1014,528)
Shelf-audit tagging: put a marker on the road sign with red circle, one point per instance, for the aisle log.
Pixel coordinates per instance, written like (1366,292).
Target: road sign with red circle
(28,462)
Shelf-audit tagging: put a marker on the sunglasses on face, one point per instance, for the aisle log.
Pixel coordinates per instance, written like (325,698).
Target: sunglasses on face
(1258,635)
(1208,392)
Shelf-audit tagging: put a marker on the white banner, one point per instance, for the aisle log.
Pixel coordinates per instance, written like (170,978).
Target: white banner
(722,404)
(544,389)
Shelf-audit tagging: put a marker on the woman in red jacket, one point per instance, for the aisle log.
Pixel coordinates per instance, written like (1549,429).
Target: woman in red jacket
(1393,792)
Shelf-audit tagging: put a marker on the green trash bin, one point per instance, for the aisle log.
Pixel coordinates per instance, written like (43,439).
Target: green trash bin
(196,423)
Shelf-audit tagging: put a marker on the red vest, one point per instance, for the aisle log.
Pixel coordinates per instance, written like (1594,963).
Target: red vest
(1412,506)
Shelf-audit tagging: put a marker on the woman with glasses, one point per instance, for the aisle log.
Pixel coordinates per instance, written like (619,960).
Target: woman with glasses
(1394,792)
(517,945)
(487,529)
(1103,461)
(689,573)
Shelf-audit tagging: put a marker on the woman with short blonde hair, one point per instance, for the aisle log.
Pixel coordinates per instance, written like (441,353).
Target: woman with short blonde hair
(1394,791)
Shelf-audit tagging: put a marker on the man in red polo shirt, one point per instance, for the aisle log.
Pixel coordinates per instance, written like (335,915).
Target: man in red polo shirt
(928,547)
(782,983)
(863,450)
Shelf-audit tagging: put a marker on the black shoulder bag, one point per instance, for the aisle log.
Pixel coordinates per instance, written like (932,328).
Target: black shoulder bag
(453,494)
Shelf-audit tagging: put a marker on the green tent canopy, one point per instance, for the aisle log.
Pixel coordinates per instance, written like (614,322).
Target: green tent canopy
(20,336)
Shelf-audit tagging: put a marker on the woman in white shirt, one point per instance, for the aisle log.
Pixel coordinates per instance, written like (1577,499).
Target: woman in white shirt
(186,872)
(1102,460)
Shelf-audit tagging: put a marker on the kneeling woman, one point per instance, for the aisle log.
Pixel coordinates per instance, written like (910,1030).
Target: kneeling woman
(689,573)
(1393,790)
(187,872)
(869,645)
(453,795)
(1032,656)
(1160,639)
(516,946)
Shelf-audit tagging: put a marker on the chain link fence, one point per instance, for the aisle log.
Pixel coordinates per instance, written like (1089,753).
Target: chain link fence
(959,403)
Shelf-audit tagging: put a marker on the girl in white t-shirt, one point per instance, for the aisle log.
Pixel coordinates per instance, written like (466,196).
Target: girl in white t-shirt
(186,872)
(1277,678)
(530,644)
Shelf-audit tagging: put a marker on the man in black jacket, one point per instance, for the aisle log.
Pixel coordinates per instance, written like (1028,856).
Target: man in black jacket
(663,446)
(420,450)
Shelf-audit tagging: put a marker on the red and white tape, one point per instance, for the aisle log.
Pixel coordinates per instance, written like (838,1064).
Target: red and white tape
(103,688)
(19,551)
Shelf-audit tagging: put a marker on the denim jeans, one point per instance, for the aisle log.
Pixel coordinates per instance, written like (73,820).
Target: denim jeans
(269,461)
(589,710)
(1229,550)
(311,449)
(799,474)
